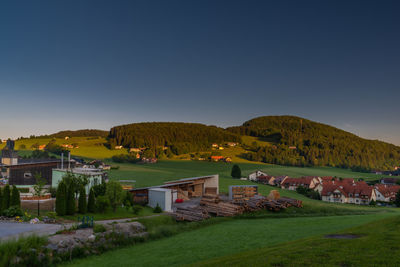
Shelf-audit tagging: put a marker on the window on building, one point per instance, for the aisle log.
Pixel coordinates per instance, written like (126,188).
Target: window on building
(27,175)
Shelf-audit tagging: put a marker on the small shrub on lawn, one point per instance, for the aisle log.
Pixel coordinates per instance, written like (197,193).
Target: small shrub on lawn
(12,212)
(137,209)
(99,228)
(157,209)
(102,203)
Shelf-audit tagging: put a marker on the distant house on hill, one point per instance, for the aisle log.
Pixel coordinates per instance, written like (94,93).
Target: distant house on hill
(118,147)
(266,179)
(253,176)
(217,158)
(42,147)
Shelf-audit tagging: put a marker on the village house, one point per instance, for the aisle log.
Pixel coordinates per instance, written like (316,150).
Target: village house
(253,176)
(231,144)
(328,180)
(386,193)
(359,193)
(215,145)
(118,147)
(266,179)
(279,179)
(216,158)
(293,183)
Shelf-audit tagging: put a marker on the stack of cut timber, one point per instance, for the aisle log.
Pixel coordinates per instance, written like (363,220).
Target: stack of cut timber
(290,202)
(190,214)
(207,198)
(223,209)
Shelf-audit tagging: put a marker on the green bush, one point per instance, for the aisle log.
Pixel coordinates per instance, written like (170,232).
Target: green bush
(99,228)
(91,202)
(52,215)
(61,199)
(82,207)
(99,190)
(53,192)
(71,199)
(137,209)
(157,209)
(236,172)
(23,190)
(102,203)
(26,249)
(12,212)
(5,203)
(15,198)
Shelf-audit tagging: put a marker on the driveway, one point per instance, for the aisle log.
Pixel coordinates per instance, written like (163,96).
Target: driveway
(13,230)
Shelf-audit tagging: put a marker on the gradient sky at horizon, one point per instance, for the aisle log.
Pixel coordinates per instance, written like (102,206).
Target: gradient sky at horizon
(97,64)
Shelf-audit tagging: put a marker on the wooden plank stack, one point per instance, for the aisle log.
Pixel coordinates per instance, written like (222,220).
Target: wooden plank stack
(243,192)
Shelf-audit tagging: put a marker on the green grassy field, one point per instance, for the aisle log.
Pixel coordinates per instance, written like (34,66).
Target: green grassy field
(166,170)
(88,147)
(225,239)
(378,245)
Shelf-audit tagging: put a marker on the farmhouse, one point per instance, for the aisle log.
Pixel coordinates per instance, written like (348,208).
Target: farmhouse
(386,193)
(266,179)
(292,183)
(185,189)
(253,176)
(278,180)
(21,172)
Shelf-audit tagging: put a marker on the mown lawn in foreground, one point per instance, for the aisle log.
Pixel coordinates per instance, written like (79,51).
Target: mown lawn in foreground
(225,238)
(378,245)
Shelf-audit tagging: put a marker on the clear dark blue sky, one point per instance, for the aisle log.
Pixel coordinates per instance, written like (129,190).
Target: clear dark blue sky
(97,64)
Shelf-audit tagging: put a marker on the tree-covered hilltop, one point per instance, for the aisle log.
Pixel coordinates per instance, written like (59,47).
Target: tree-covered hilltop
(179,137)
(80,133)
(301,142)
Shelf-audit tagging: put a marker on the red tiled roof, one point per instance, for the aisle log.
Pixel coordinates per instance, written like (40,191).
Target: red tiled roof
(362,189)
(298,181)
(388,190)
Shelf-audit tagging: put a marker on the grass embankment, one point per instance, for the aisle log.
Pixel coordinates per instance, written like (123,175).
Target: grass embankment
(378,245)
(226,238)
(120,213)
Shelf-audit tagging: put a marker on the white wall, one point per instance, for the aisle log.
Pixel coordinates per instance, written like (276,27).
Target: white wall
(162,197)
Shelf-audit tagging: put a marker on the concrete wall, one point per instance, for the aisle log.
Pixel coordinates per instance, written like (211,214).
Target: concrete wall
(162,197)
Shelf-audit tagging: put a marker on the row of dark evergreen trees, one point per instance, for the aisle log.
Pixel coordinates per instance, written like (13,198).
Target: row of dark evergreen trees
(9,198)
(300,142)
(179,138)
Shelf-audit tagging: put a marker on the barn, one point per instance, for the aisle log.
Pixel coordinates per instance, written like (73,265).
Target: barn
(185,189)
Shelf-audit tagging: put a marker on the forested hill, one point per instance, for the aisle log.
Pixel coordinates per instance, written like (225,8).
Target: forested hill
(179,137)
(303,142)
(81,133)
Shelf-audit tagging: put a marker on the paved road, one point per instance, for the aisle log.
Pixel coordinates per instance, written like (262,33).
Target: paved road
(11,229)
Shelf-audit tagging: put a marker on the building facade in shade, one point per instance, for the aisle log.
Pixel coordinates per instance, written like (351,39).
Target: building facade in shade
(95,176)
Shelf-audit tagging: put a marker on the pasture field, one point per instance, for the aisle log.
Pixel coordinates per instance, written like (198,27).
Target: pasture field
(89,147)
(225,239)
(167,170)
(378,244)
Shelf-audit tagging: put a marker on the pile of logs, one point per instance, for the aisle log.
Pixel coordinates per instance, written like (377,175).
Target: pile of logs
(213,205)
(190,214)
(290,202)
(260,203)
